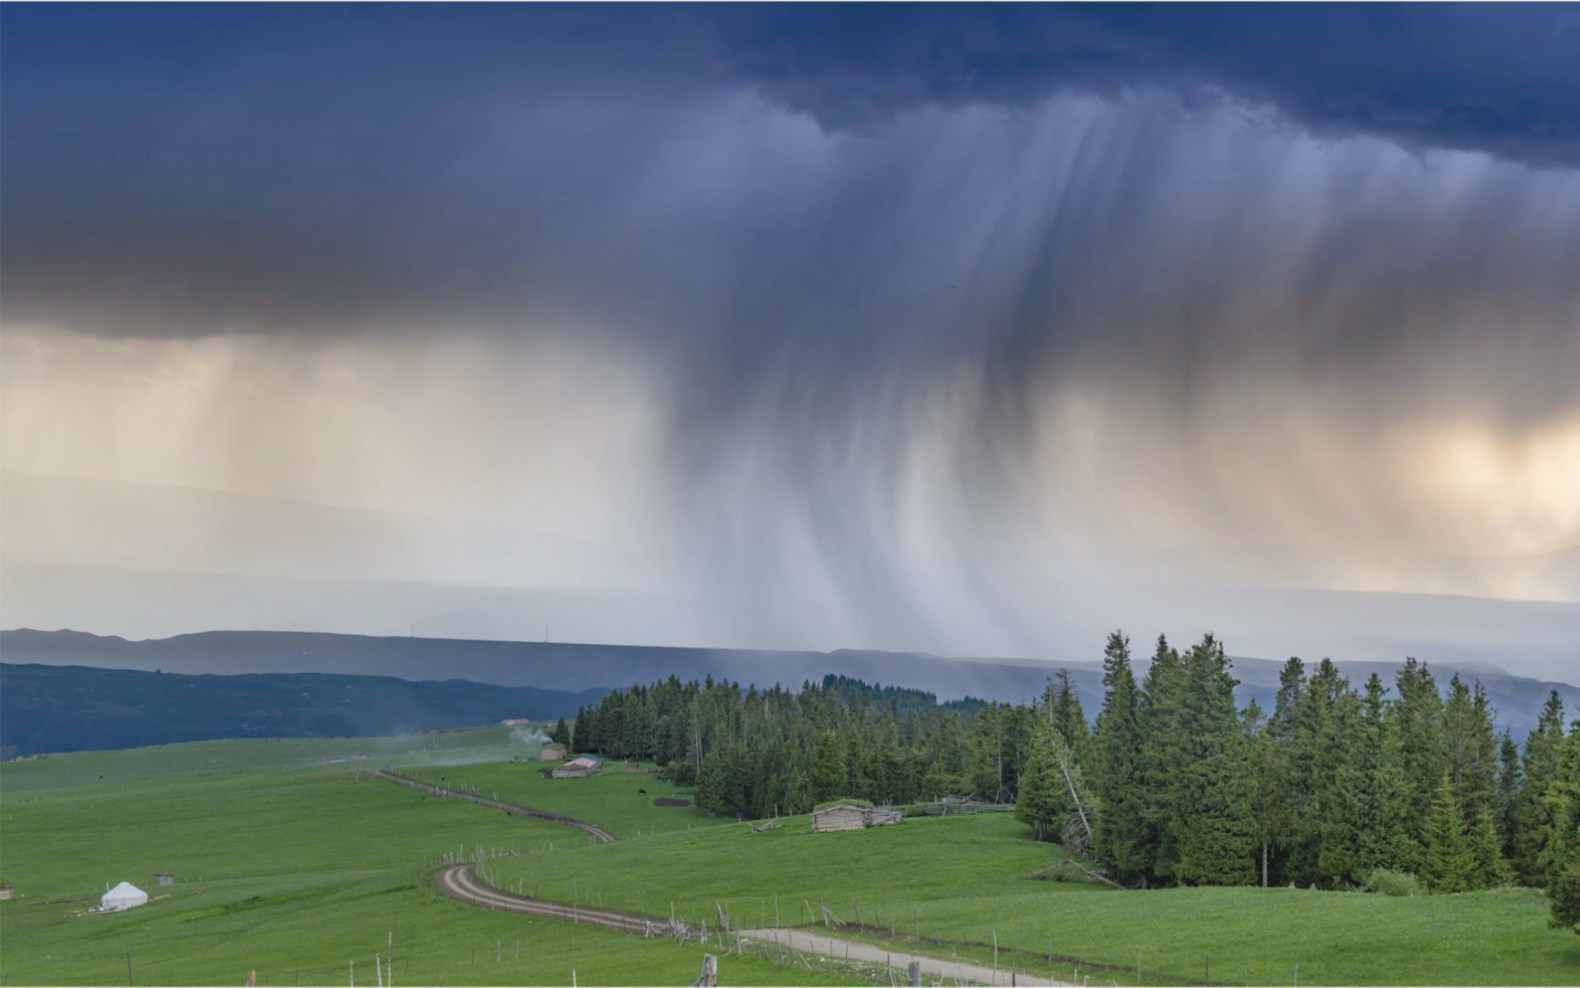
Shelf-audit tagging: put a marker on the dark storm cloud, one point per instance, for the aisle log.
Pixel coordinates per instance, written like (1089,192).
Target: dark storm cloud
(1504,79)
(190,171)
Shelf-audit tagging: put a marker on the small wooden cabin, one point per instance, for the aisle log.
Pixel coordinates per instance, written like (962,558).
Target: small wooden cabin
(840,816)
(552,753)
(576,768)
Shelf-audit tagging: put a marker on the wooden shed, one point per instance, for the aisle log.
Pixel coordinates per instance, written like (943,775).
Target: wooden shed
(552,753)
(840,816)
(576,768)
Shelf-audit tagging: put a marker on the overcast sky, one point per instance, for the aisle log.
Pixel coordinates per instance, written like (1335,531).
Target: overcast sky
(954,328)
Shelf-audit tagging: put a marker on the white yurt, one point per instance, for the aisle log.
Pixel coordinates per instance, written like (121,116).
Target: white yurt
(123,896)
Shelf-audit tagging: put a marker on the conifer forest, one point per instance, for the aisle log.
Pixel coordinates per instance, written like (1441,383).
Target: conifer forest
(1401,788)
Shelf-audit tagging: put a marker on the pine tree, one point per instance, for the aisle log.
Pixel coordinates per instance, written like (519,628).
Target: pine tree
(1534,813)
(1562,855)
(828,769)
(1490,869)
(1044,803)
(1367,825)
(1067,717)
(1417,718)
(710,783)
(1470,747)
(560,733)
(1266,792)
(1212,808)
(1117,749)
(1446,861)
(1316,755)
(1510,780)
(581,737)
(1160,763)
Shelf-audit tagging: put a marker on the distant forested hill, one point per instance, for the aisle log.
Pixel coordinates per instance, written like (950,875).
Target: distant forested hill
(47,708)
(574,667)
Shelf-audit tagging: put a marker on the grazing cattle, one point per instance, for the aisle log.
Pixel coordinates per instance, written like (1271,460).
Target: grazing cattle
(642,792)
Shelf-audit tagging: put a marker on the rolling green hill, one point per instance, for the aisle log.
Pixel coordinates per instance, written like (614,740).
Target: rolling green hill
(45,708)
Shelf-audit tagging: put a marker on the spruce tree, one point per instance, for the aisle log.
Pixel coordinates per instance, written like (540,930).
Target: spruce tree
(1446,862)
(1562,855)
(1314,756)
(1366,826)
(1534,813)
(1470,748)
(1267,786)
(560,733)
(1067,717)
(1117,747)
(1160,763)
(1491,869)
(1044,803)
(581,737)
(828,769)
(1417,719)
(1212,814)
(1510,780)
(710,784)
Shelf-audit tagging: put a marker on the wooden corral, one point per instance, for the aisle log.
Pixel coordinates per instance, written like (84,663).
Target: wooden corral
(879,817)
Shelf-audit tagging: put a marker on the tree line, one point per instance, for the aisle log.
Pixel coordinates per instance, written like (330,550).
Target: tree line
(1337,787)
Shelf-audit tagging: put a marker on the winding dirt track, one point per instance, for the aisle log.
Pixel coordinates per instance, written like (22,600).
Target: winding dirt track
(598,833)
(458,882)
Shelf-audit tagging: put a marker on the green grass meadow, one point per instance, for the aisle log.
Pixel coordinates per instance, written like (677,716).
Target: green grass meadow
(288,866)
(295,866)
(959,882)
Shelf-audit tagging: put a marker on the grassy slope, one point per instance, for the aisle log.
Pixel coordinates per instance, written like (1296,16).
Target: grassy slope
(304,867)
(610,798)
(289,871)
(960,876)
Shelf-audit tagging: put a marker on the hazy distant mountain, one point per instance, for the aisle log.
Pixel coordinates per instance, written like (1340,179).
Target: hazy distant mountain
(576,667)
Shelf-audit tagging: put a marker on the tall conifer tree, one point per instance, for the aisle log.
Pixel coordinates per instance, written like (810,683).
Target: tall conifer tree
(1446,862)
(1212,798)
(1417,715)
(1117,746)
(1539,769)
(1160,762)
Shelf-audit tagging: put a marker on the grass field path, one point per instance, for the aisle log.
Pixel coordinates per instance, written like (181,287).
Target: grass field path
(597,833)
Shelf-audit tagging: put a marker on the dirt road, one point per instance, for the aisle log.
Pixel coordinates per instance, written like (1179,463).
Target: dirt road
(597,833)
(934,970)
(458,882)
